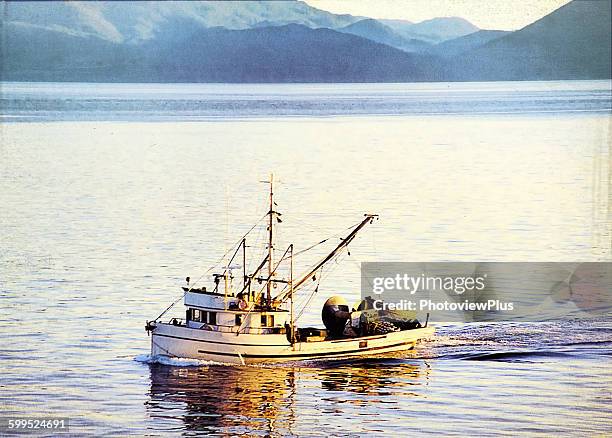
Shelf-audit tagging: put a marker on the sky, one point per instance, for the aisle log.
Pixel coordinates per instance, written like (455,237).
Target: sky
(486,14)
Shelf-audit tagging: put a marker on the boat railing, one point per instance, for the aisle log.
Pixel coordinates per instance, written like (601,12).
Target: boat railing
(180,322)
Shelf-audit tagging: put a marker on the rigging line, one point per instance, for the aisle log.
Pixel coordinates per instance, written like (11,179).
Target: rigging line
(316,289)
(283,291)
(327,238)
(324,240)
(262,253)
(322,276)
(236,246)
(258,240)
(317,229)
(312,246)
(210,269)
(303,295)
(260,292)
(268,280)
(374,241)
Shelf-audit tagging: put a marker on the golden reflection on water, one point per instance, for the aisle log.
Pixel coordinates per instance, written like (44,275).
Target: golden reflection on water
(368,378)
(216,398)
(268,400)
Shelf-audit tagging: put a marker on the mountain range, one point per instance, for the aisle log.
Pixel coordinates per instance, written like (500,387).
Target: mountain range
(572,42)
(289,41)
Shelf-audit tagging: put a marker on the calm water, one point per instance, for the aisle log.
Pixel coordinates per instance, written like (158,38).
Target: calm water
(112,194)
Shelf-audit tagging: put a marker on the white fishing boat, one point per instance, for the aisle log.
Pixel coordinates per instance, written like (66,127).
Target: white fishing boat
(242,320)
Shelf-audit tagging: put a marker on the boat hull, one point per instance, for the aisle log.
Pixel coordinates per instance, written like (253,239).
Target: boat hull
(180,341)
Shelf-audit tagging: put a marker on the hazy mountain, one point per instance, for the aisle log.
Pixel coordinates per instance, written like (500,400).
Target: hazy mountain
(104,42)
(572,42)
(134,21)
(291,53)
(30,53)
(376,31)
(444,28)
(465,43)
(432,31)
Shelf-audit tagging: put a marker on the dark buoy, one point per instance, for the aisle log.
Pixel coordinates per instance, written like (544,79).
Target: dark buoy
(335,314)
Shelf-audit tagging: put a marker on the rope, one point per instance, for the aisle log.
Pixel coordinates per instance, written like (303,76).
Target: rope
(284,290)
(256,244)
(314,292)
(326,239)
(321,277)
(211,268)
(261,291)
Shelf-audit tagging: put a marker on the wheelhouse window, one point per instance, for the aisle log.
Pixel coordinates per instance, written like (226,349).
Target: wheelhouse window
(204,316)
(267,320)
(196,315)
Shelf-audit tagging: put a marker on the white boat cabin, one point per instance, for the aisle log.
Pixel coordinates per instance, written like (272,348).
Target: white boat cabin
(228,313)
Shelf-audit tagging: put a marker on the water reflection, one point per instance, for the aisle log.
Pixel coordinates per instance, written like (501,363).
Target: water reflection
(265,401)
(375,377)
(225,399)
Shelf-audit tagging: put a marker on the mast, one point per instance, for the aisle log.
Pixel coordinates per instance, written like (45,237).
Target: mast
(291,337)
(244,273)
(270,242)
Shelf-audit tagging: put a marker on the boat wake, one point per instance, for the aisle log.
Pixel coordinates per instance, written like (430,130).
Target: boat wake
(519,342)
(515,356)
(173,361)
(194,363)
